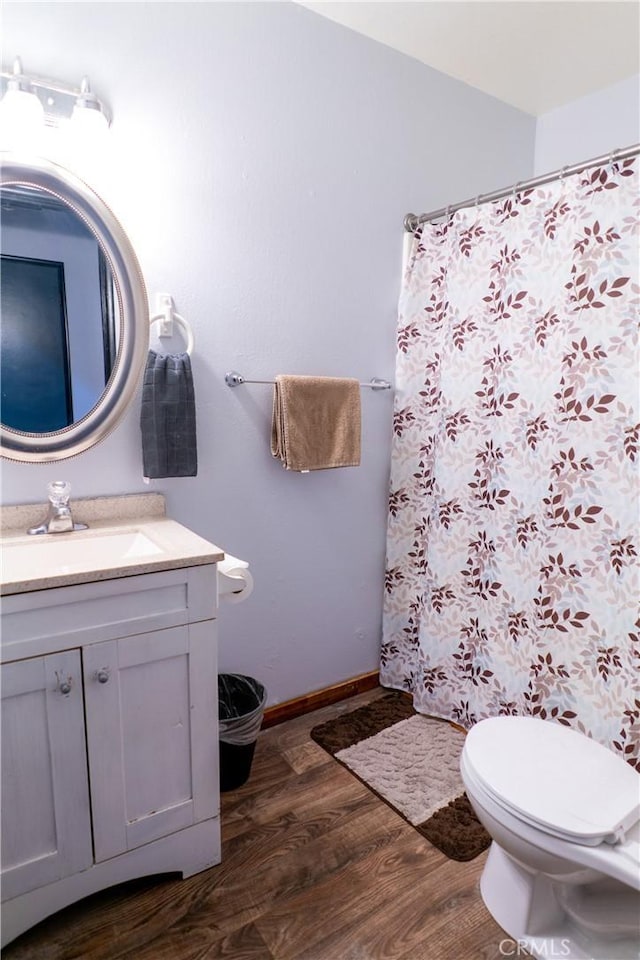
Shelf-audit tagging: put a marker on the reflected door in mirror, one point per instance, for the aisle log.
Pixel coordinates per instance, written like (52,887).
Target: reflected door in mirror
(58,313)
(34,369)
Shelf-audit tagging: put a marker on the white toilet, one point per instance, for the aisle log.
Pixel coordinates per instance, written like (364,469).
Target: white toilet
(563,873)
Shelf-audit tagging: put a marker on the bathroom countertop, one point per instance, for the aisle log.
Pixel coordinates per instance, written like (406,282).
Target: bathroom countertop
(127,536)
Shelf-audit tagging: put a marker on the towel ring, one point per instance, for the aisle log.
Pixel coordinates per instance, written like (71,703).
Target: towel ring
(182,323)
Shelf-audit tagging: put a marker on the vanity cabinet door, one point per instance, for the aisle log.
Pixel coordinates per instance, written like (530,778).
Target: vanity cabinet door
(46,832)
(152,719)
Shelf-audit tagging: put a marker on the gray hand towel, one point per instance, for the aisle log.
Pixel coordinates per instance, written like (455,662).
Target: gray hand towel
(168,417)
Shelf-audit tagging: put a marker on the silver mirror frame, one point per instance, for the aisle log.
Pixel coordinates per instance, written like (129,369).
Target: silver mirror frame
(134,315)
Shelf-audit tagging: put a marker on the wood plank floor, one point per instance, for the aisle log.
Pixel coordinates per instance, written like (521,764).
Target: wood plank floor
(315,867)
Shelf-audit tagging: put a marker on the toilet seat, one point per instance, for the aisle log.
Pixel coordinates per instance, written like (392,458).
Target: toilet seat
(554,779)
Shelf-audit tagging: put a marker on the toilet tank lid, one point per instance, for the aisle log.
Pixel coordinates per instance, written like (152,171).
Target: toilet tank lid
(555,777)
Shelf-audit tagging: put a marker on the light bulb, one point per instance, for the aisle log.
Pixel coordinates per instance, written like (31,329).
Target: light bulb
(21,113)
(88,117)
(91,122)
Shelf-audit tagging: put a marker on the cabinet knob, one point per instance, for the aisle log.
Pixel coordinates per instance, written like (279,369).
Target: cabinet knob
(65,686)
(102,676)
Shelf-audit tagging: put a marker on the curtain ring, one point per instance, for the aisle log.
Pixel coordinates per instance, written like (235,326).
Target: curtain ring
(612,156)
(447,211)
(477,203)
(563,173)
(515,188)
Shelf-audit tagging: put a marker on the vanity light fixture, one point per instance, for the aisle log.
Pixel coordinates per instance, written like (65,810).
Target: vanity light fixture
(30,101)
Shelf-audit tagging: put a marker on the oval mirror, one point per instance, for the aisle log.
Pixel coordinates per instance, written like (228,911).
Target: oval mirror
(75,320)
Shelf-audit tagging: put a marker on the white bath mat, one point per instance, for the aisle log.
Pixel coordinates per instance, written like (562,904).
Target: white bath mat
(415,765)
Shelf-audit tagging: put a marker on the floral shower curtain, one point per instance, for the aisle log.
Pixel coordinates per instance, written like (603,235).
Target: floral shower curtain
(512,573)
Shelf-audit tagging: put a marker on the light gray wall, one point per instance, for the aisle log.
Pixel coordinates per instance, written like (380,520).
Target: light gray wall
(262,159)
(589,127)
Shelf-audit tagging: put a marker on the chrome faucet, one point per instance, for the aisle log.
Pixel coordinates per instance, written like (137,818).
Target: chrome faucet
(58,519)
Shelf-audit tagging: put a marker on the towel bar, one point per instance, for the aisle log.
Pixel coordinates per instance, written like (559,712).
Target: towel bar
(235,379)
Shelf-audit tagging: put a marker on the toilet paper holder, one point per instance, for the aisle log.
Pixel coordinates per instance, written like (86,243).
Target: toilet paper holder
(235,582)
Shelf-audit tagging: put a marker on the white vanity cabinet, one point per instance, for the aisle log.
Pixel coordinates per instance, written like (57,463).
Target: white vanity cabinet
(149,701)
(109,737)
(46,830)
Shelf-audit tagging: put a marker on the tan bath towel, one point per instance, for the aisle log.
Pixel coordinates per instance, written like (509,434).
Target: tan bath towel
(316,422)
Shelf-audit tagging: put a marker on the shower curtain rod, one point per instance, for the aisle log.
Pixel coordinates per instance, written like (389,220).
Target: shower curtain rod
(412,221)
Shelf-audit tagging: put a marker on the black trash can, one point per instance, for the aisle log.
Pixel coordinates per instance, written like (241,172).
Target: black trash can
(241,703)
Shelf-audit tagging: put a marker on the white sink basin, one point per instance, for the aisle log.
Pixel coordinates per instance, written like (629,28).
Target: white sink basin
(54,554)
